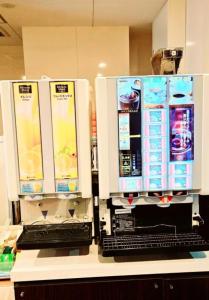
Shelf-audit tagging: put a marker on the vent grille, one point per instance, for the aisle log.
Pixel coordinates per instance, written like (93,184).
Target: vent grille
(2,20)
(3,33)
(7,31)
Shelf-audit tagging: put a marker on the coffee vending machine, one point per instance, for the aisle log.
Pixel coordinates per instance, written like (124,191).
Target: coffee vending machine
(153,162)
(48,164)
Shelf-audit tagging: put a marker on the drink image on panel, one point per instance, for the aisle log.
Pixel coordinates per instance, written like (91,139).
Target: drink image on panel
(181,89)
(27,117)
(154,92)
(64,135)
(129,94)
(152,155)
(129,126)
(182,133)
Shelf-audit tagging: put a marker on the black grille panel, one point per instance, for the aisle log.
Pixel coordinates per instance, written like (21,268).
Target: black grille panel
(153,243)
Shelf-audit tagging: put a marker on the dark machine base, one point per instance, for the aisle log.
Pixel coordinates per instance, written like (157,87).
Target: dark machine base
(71,235)
(152,244)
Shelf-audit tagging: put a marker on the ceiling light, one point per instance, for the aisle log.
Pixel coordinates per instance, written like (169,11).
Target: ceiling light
(102,65)
(190,43)
(99,75)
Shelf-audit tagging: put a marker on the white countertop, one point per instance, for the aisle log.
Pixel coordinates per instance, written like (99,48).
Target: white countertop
(34,265)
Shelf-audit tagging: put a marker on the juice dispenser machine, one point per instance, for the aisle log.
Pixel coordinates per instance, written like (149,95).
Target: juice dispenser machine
(153,163)
(47,154)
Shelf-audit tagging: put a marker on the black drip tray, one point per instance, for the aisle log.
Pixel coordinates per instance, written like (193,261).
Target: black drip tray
(153,244)
(71,235)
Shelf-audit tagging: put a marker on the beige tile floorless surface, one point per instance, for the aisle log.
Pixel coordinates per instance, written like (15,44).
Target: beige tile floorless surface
(6,290)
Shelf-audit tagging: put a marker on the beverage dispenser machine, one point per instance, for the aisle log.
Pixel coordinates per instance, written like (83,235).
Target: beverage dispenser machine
(47,154)
(153,164)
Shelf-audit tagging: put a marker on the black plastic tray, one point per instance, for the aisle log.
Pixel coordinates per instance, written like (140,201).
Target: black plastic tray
(70,235)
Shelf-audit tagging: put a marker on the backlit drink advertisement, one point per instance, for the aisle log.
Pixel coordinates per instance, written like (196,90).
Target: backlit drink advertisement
(129,94)
(26,104)
(64,130)
(155,92)
(181,89)
(129,124)
(156,132)
(182,132)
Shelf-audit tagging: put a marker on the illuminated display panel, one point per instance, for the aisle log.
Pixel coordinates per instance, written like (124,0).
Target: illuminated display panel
(182,132)
(64,130)
(156,133)
(28,130)
(155,92)
(129,124)
(180,89)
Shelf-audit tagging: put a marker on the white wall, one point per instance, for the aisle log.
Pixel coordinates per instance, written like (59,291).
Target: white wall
(4,204)
(75,51)
(176,23)
(197,36)
(49,51)
(160,29)
(108,44)
(169,27)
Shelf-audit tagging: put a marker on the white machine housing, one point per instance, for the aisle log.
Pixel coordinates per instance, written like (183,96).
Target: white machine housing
(83,140)
(108,141)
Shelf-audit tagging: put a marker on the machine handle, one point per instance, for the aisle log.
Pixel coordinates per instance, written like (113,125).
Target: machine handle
(156,286)
(22,294)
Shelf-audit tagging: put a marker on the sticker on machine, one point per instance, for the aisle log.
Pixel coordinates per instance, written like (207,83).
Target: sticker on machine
(31,187)
(121,211)
(66,186)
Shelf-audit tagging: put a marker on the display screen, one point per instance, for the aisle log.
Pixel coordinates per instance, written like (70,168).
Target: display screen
(154,91)
(129,124)
(181,169)
(182,132)
(129,94)
(155,143)
(155,183)
(180,89)
(28,130)
(155,170)
(156,133)
(64,129)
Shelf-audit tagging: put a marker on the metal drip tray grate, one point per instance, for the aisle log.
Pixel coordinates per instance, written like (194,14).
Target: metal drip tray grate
(55,236)
(153,243)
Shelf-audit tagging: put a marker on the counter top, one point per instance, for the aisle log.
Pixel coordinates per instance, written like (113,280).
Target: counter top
(35,265)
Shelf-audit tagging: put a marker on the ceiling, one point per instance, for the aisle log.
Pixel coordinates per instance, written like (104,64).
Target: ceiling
(138,14)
